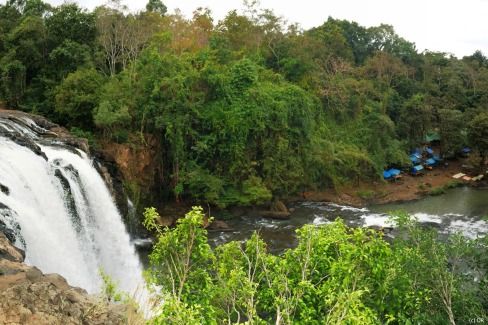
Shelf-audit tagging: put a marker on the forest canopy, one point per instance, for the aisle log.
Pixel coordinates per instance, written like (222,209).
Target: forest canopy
(247,109)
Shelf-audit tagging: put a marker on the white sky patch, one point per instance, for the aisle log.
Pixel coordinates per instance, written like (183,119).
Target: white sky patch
(457,27)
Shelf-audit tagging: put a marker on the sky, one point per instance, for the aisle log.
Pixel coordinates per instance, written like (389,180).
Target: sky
(452,26)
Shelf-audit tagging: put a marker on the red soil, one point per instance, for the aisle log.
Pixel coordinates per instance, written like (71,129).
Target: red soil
(406,188)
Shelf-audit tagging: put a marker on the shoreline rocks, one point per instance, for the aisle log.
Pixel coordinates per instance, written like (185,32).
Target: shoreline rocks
(27,296)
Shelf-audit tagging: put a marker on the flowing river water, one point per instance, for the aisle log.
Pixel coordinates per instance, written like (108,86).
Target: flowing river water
(460,209)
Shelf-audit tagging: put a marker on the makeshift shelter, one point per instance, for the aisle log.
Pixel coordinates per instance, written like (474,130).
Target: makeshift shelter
(386,175)
(416,170)
(429,151)
(432,136)
(415,159)
(429,163)
(394,172)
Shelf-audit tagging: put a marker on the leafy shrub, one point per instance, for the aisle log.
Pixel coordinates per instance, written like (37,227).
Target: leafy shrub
(366,194)
(120,136)
(335,274)
(110,290)
(437,191)
(454,184)
(86,135)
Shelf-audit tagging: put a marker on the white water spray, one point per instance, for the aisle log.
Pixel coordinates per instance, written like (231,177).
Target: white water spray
(68,221)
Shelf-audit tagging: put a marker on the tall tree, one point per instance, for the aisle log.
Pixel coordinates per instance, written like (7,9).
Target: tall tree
(384,38)
(478,137)
(156,6)
(77,96)
(334,40)
(241,31)
(69,21)
(111,28)
(71,35)
(25,56)
(415,120)
(385,70)
(452,129)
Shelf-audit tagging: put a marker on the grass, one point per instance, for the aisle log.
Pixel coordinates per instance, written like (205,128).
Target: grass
(423,186)
(442,189)
(454,184)
(370,194)
(366,194)
(437,191)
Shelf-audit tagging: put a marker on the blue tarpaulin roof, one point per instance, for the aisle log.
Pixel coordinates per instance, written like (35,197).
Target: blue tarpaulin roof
(465,150)
(429,151)
(415,154)
(417,168)
(430,162)
(394,172)
(414,159)
(437,157)
(386,174)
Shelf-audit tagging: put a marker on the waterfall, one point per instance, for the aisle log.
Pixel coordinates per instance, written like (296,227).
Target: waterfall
(62,213)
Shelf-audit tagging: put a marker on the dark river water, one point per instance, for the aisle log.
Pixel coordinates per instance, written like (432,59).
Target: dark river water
(460,209)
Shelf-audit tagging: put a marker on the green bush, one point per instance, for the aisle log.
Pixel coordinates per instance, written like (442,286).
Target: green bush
(120,136)
(454,184)
(437,191)
(85,134)
(334,275)
(366,194)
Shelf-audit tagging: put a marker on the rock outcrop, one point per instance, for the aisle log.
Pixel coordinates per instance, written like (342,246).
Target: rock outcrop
(277,210)
(137,162)
(27,296)
(43,128)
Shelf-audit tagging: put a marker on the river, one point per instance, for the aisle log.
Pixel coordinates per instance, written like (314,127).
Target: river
(460,209)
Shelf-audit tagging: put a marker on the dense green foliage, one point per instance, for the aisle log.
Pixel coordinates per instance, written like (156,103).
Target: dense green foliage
(335,275)
(245,110)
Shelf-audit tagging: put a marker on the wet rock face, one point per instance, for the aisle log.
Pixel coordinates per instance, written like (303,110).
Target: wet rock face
(43,128)
(27,296)
(7,231)
(9,252)
(4,189)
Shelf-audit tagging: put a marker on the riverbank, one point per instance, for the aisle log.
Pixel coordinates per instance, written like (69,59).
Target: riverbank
(406,188)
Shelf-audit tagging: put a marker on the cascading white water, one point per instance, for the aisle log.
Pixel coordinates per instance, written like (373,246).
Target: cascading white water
(68,221)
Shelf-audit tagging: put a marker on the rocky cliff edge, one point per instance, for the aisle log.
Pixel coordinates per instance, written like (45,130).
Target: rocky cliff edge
(27,296)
